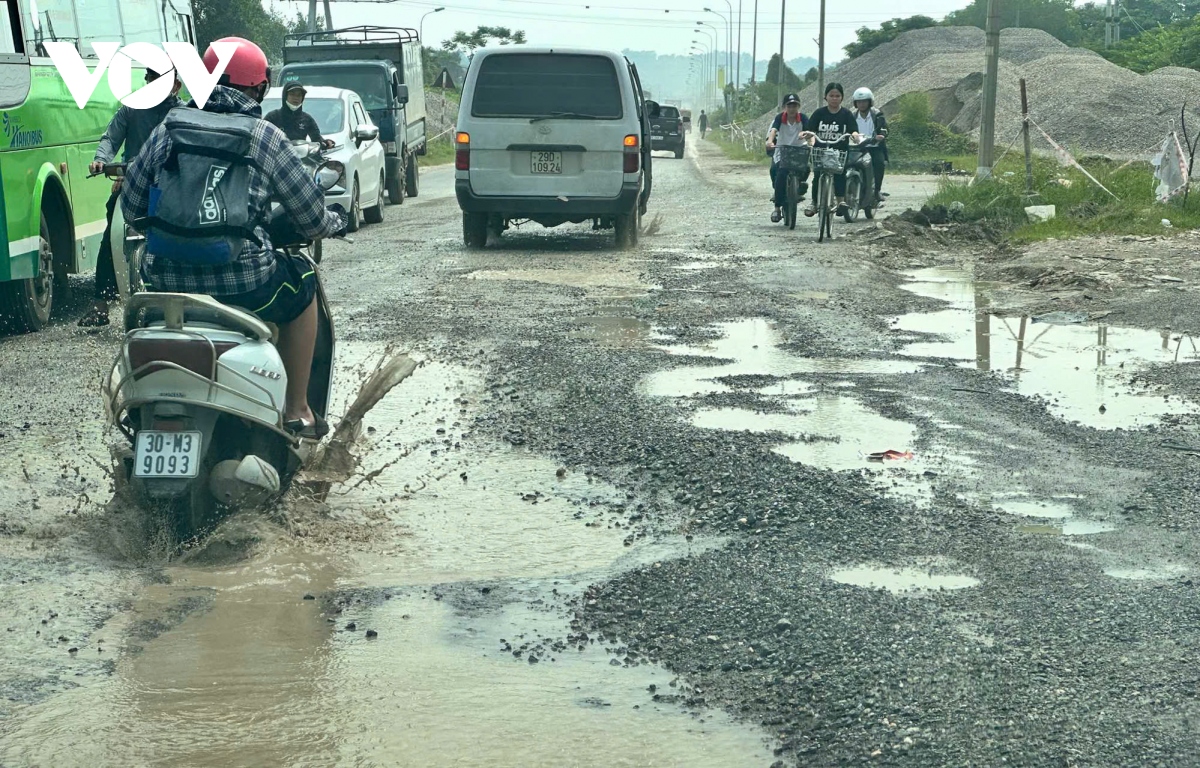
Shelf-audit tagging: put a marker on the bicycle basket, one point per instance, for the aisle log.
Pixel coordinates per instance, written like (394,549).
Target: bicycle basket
(830,160)
(794,157)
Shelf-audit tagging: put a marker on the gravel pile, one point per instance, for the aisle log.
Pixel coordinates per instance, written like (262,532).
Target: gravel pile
(1085,102)
(441,113)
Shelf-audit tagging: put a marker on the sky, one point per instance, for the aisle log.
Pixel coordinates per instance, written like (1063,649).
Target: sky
(659,25)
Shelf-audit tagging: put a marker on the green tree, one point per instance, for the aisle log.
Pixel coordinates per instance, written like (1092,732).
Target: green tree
(869,39)
(1057,18)
(791,82)
(215,19)
(436,59)
(466,42)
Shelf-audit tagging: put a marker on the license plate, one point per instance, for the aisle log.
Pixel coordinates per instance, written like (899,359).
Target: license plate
(167,454)
(545,162)
(657,138)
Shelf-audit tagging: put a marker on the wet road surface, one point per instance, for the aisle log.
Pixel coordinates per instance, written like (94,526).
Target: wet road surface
(626,514)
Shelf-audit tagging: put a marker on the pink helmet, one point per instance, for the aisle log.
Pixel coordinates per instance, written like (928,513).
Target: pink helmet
(246,69)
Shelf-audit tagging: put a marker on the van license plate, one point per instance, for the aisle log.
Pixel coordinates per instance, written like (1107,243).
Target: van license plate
(167,454)
(545,162)
(656,138)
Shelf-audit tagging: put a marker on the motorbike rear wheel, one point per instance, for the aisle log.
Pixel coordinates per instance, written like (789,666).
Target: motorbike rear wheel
(854,192)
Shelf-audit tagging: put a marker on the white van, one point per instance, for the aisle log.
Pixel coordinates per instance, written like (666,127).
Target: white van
(553,136)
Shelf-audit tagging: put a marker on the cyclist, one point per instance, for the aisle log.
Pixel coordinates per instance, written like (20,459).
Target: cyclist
(827,127)
(787,130)
(872,124)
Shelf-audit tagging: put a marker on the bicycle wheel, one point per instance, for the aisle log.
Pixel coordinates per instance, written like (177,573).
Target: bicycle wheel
(824,211)
(793,200)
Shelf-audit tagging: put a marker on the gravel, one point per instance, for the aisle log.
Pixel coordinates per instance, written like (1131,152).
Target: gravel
(1084,102)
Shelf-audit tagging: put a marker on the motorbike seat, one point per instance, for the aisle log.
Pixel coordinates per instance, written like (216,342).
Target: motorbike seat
(175,309)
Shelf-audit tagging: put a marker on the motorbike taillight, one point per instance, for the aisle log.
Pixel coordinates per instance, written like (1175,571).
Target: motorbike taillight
(192,354)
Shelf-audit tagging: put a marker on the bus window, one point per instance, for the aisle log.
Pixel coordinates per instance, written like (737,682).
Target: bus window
(50,20)
(143,21)
(100,23)
(10,41)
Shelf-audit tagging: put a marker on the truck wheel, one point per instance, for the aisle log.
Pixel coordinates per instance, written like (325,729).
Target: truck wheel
(475,227)
(412,177)
(627,226)
(395,188)
(679,152)
(25,305)
(354,215)
(374,214)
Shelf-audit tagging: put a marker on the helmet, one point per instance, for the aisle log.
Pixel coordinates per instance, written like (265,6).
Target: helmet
(864,94)
(246,69)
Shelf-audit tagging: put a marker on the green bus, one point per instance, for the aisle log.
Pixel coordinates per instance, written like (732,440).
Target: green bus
(52,216)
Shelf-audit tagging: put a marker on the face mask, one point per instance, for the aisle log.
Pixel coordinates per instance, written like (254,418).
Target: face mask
(292,106)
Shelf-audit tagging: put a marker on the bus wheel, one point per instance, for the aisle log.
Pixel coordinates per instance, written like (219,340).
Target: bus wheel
(25,304)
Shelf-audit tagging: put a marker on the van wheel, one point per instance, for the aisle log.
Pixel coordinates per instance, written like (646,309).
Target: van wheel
(25,305)
(374,215)
(412,177)
(354,215)
(395,188)
(475,229)
(627,226)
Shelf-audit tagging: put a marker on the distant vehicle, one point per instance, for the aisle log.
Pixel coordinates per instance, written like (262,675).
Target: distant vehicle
(686,116)
(357,147)
(555,136)
(666,130)
(383,66)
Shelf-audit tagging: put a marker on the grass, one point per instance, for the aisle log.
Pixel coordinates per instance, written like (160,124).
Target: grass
(1082,208)
(438,152)
(734,149)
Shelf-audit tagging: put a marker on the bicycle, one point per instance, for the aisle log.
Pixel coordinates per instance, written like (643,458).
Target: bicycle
(793,158)
(830,162)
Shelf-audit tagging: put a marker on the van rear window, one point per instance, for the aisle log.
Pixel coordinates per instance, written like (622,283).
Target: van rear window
(547,84)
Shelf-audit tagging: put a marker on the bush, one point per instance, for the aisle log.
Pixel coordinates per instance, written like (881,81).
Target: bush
(913,130)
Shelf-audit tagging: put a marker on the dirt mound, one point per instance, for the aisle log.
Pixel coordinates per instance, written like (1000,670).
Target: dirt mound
(1085,102)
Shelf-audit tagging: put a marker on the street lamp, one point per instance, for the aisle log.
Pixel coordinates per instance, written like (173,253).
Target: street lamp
(728,41)
(712,41)
(421,25)
(709,81)
(716,38)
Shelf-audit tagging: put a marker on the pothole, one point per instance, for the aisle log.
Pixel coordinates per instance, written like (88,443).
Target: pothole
(611,331)
(931,574)
(1069,527)
(1080,369)
(1054,510)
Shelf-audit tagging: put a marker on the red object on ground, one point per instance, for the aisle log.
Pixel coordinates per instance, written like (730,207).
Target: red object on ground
(890,455)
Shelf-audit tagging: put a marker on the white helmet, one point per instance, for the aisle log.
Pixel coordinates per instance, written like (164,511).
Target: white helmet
(863,94)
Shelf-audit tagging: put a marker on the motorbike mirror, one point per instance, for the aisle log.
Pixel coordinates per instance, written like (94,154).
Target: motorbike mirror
(328,177)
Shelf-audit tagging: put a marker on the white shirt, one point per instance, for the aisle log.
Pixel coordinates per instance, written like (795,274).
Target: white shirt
(866,125)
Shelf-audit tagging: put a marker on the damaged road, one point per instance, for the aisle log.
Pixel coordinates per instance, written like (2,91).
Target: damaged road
(625,513)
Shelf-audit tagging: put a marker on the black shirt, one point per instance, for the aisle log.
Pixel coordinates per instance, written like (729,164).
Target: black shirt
(296,124)
(829,125)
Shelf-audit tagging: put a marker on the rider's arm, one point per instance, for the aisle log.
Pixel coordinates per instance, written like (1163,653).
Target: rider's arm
(312,129)
(296,190)
(881,128)
(113,138)
(141,174)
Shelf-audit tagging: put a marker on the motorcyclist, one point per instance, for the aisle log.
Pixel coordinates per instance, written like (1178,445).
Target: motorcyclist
(293,120)
(275,286)
(827,127)
(129,127)
(872,123)
(786,130)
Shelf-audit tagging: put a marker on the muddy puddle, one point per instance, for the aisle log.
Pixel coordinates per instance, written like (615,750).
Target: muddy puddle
(457,554)
(611,331)
(929,574)
(603,279)
(1081,369)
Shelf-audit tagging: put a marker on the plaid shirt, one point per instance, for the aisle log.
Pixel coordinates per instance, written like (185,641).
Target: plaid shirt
(285,179)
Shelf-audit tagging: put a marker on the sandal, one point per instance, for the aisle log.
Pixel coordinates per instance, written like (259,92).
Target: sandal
(305,431)
(776,217)
(842,209)
(95,318)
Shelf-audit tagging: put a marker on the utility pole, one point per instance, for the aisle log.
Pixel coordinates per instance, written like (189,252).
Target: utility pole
(782,29)
(737,82)
(821,57)
(1029,193)
(328,16)
(312,15)
(987,127)
(754,45)
(1108,26)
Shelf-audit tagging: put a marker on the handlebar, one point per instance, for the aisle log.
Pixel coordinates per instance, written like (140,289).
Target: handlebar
(111,170)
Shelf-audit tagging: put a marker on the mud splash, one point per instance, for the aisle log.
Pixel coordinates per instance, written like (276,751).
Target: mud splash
(1081,370)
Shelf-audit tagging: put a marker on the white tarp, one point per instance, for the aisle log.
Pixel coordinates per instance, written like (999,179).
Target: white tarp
(1170,169)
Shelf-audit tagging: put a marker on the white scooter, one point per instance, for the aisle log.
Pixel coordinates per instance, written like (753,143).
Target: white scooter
(198,389)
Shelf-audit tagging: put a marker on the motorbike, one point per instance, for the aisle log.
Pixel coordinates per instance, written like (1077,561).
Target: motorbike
(860,187)
(312,157)
(198,390)
(125,241)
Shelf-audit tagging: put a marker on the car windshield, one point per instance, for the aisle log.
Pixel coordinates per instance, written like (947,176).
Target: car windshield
(330,114)
(370,83)
(547,85)
(669,112)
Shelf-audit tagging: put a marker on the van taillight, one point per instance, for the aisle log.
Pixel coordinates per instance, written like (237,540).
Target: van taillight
(462,152)
(633,158)
(193,355)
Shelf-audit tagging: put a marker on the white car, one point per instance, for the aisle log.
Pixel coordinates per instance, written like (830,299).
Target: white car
(340,116)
